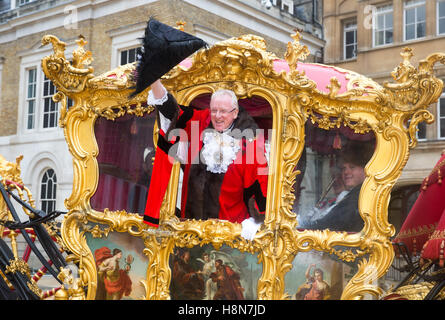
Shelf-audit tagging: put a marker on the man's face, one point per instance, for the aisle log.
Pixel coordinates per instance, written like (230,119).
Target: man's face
(222,112)
(352,175)
(318,276)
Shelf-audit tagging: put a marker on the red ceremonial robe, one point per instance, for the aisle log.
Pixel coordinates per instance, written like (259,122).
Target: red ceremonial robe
(224,196)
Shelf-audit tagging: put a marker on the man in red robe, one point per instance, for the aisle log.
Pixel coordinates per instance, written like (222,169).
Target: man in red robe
(225,166)
(228,282)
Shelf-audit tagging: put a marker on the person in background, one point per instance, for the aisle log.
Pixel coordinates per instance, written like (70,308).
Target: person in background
(343,213)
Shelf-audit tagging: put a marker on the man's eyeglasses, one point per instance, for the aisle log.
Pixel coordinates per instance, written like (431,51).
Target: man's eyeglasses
(221,112)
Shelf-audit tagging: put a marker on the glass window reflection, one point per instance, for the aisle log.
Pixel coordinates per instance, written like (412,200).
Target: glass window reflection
(332,177)
(126,150)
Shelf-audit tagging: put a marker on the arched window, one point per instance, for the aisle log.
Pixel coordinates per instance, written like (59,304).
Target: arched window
(48,188)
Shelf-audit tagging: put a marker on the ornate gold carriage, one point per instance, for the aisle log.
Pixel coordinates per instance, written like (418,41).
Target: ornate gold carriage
(298,103)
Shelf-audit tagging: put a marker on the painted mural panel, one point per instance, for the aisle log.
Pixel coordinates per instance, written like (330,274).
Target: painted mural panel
(317,276)
(121,266)
(204,273)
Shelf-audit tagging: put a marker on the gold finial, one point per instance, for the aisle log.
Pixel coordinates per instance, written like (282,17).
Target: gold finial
(407,54)
(11,171)
(81,42)
(81,57)
(405,69)
(180,25)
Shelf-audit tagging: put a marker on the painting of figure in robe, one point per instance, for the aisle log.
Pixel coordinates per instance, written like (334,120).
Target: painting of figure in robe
(204,273)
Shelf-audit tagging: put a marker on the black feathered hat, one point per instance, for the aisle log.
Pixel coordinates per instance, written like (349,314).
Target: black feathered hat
(163,47)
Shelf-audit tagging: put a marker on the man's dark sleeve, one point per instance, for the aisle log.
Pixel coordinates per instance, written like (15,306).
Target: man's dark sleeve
(344,216)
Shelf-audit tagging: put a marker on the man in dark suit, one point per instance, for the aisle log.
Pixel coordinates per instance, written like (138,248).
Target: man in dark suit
(343,215)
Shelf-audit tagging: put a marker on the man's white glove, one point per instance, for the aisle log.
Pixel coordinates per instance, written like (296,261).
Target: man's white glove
(249,228)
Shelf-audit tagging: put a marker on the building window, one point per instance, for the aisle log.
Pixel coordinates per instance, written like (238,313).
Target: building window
(421,133)
(316,11)
(350,40)
(31,97)
(441,116)
(287,6)
(441,17)
(22,2)
(48,190)
(415,19)
(40,111)
(50,108)
(383,26)
(128,56)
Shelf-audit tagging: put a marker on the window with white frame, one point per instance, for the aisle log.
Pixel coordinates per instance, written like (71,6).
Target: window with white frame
(415,19)
(48,190)
(128,56)
(350,40)
(22,2)
(31,97)
(441,16)
(125,43)
(50,108)
(40,111)
(441,117)
(383,25)
(288,6)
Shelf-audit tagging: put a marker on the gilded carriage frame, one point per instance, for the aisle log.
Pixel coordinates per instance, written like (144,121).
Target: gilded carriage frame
(391,111)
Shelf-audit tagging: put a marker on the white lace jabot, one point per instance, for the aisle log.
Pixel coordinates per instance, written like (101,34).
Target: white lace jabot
(219,150)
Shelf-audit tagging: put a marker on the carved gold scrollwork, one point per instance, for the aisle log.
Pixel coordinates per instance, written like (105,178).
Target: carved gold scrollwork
(67,77)
(295,52)
(419,116)
(415,88)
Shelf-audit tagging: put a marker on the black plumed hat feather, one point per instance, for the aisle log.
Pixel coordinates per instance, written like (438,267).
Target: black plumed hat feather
(163,47)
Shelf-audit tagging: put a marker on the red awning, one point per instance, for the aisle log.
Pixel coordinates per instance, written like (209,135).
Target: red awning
(423,219)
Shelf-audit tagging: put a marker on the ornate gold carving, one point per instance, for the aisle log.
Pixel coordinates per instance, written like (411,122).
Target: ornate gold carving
(11,171)
(294,52)
(244,65)
(416,291)
(67,77)
(72,288)
(180,25)
(21,266)
(18,265)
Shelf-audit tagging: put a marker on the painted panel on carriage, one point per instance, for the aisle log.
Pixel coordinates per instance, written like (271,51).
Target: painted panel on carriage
(332,174)
(125,160)
(317,276)
(121,266)
(204,273)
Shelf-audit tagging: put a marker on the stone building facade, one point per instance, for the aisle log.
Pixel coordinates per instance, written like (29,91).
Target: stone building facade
(112,28)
